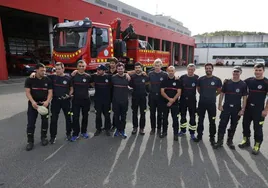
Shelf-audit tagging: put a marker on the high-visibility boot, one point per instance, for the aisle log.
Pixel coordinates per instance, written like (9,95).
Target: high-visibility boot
(245,142)
(256,148)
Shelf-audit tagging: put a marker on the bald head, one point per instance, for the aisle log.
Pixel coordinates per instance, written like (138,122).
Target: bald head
(171,71)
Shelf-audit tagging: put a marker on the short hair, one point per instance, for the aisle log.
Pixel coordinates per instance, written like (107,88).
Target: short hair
(209,64)
(81,61)
(171,67)
(259,65)
(191,65)
(113,59)
(60,64)
(120,65)
(39,65)
(158,61)
(138,64)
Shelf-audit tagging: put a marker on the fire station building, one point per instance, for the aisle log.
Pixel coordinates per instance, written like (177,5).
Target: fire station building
(26,29)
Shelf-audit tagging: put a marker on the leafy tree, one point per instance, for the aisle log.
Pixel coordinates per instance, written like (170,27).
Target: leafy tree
(230,33)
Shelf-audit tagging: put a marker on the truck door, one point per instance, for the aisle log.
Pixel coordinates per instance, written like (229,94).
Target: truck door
(99,41)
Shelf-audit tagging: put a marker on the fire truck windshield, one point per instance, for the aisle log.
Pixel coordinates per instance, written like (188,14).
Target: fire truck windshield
(70,39)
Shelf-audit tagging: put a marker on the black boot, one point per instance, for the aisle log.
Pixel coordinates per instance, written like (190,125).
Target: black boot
(219,142)
(230,140)
(212,141)
(30,141)
(245,143)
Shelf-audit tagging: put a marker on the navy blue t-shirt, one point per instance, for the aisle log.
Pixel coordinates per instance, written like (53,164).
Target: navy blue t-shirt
(155,80)
(257,90)
(120,89)
(39,88)
(234,91)
(102,86)
(189,84)
(61,85)
(171,86)
(139,84)
(208,88)
(81,84)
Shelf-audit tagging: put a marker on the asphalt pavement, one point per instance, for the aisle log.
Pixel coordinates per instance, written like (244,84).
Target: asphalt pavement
(138,161)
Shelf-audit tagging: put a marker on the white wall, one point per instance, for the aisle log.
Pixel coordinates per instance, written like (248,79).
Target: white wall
(201,54)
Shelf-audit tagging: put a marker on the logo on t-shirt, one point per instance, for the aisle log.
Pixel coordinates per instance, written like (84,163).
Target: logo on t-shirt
(161,79)
(259,86)
(237,90)
(84,80)
(193,84)
(106,80)
(143,80)
(65,82)
(45,84)
(174,83)
(212,83)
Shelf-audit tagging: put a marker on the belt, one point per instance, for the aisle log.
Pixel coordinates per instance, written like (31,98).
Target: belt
(232,105)
(64,97)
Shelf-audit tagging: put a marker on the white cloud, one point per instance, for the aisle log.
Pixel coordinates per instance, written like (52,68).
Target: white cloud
(211,15)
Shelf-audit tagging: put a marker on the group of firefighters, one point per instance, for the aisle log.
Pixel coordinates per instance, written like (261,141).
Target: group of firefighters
(166,93)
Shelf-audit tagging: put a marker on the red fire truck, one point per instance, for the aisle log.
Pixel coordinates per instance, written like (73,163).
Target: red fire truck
(96,43)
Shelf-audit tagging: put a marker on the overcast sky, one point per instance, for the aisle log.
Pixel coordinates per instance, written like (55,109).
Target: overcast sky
(211,15)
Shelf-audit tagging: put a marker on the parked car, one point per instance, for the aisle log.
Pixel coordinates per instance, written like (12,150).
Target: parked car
(248,62)
(259,61)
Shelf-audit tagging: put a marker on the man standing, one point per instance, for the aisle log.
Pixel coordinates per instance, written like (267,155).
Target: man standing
(39,92)
(232,92)
(62,91)
(120,99)
(139,83)
(209,87)
(255,111)
(81,101)
(188,100)
(102,100)
(156,77)
(171,91)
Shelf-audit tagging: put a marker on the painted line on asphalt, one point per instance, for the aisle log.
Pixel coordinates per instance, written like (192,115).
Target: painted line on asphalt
(54,175)
(50,156)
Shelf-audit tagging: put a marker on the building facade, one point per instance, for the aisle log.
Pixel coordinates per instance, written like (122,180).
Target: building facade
(231,48)
(27,25)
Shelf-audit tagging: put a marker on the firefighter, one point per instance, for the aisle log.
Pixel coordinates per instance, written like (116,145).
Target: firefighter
(102,101)
(209,87)
(112,71)
(139,83)
(188,101)
(81,100)
(255,110)
(120,99)
(62,91)
(171,91)
(232,91)
(39,93)
(156,77)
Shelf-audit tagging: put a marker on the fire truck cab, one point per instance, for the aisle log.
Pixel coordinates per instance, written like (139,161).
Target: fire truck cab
(95,43)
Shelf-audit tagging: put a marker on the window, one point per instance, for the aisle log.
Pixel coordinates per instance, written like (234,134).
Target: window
(112,6)
(105,41)
(100,2)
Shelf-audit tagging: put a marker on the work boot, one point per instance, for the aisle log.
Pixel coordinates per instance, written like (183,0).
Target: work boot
(135,129)
(97,133)
(245,143)
(108,133)
(163,135)
(256,149)
(44,141)
(152,132)
(219,142)
(158,132)
(142,132)
(198,138)
(29,146)
(52,140)
(212,141)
